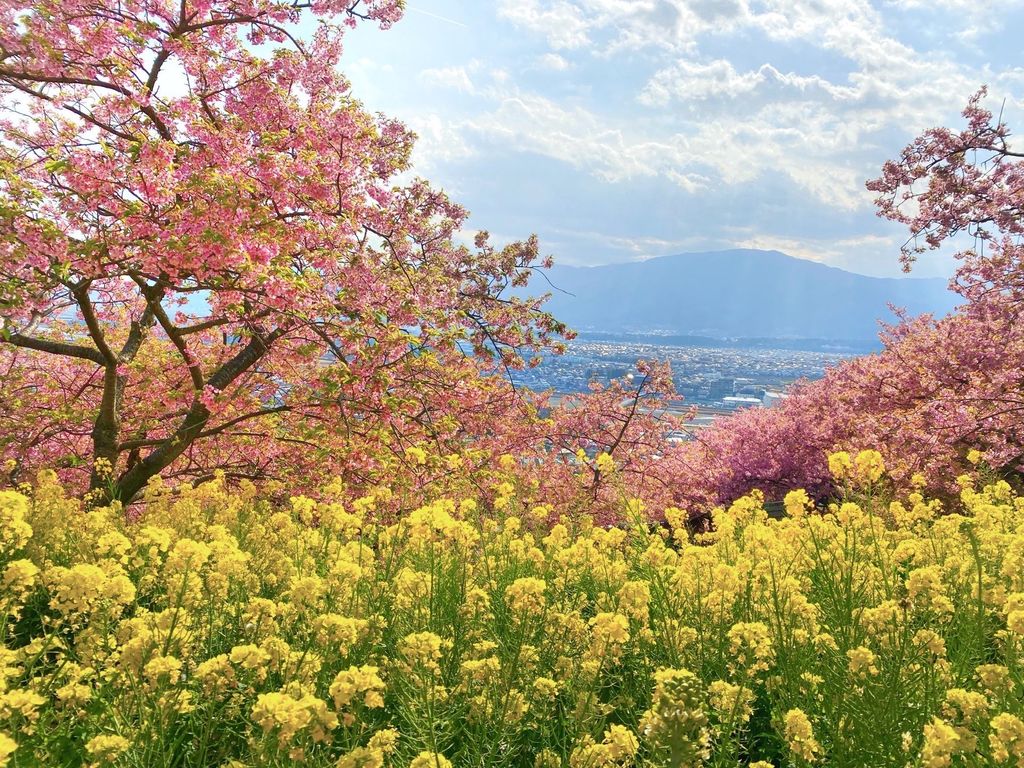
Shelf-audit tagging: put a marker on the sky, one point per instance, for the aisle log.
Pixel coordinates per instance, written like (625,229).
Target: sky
(619,130)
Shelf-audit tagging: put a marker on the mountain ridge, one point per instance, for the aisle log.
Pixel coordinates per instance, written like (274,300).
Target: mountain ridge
(736,292)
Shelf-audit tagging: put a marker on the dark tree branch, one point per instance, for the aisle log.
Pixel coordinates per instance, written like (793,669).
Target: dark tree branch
(56,348)
(191,428)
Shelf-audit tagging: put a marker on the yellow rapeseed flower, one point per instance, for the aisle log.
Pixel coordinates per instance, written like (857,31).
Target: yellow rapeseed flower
(868,467)
(362,683)
(604,463)
(994,678)
(621,744)
(797,503)
(7,748)
(840,464)
(106,748)
(373,755)
(422,650)
(610,633)
(14,530)
(21,702)
(1007,738)
(525,596)
(750,646)
(430,760)
(862,662)
(800,736)
(416,455)
(965,705)
(634,597)
(731,703)
(676,724)
(941,743)
(18,581)
(289,715)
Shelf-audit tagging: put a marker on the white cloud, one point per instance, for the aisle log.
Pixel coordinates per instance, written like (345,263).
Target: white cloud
(801,248)
(553,61)
(636,248)
(800,140)
(972,19)
(688,80)
(439,143)
(691,182)
(456,78)
(973,6)
(692,80)
(747,96)
(614,25)
(821,133)
(563,23)
(532,123)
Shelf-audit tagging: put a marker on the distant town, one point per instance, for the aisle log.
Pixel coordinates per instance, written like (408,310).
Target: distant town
(716,379)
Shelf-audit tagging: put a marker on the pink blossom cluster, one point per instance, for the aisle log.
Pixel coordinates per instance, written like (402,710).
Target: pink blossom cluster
(209,261)
(940,389)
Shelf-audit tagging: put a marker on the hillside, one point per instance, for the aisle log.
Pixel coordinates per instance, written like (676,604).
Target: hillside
(736,293)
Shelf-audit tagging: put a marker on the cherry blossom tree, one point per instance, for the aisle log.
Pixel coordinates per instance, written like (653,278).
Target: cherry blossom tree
(937,391)
(626,423)
(592,453)
(947,186)
(213,257)
(940,389)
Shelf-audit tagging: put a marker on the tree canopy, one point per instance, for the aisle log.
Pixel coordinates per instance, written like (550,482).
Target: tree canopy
(213,257)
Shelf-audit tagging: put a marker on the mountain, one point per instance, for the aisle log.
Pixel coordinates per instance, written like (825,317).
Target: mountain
(737,293)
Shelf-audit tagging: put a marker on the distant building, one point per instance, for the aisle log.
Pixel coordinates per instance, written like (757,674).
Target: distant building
(734,402)
(750,390)
(720,388)
(773,398)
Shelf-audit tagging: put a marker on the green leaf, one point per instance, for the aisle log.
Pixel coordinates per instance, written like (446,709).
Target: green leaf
(56,166)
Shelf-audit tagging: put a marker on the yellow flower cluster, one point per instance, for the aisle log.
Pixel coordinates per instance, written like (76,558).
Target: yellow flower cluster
(525,596)
(862,662)
(604,463)
(360,685)
(750,646)
(106,748)
(941,743)
(287,714)
(78,591)
(238,629)
(377,750)
(1007,738)
(430,760)
(800,736)
(14,530)
(864,469)
(422,650)
(618,748)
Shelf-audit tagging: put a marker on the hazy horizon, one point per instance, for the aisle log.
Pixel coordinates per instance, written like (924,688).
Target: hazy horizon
(913,275)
